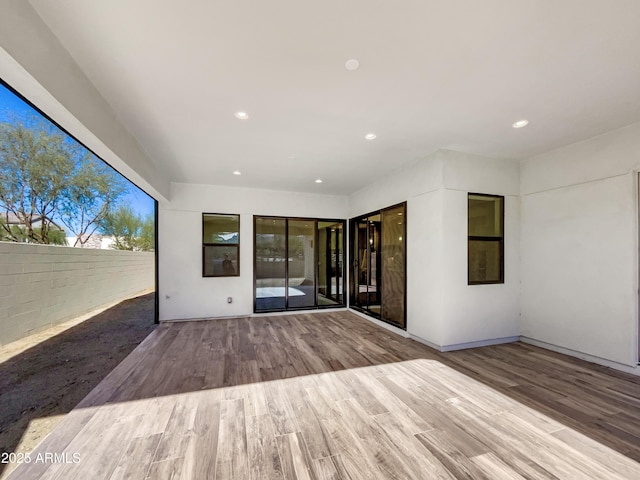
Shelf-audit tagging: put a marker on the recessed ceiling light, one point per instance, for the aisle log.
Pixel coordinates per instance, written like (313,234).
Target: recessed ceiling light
(520,123)
(352,64)
(237,172)
(242,115)
(318,180)
(370,136)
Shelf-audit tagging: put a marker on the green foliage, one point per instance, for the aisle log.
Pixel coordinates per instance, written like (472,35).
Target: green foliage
(18,233)
(45,176)
(36,163)
(129,230)
(89,197)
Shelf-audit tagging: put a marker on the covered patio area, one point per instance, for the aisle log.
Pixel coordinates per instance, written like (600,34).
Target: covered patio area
(330,395)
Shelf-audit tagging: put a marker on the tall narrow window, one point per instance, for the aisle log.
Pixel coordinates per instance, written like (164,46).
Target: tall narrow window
(220,245)
(485,239)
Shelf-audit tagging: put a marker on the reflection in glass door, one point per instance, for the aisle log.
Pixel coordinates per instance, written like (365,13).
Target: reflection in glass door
(270,268)
(330,281)
(377,284)
(298,263)
(393,265)
(367,262)
(301,262)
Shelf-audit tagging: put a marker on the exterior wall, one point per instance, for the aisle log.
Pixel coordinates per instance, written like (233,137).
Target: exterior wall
(571,249)
(580,248)
(442,310)
(420,185)
(43,285)
(184,293)
(425,264)
(477,314)
(410,182)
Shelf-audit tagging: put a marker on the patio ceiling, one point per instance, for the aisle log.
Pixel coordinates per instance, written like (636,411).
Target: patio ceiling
(432,74)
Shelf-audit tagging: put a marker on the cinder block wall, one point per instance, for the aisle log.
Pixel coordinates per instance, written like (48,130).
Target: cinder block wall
(43,285)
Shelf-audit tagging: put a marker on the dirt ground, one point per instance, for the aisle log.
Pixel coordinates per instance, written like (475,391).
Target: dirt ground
(54,370)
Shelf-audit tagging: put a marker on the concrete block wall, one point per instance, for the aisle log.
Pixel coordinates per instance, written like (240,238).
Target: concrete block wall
(44,285)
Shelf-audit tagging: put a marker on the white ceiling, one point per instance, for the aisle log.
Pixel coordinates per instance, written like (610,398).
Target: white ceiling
(433,74)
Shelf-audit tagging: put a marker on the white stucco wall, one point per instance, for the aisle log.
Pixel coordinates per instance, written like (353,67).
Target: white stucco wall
(442,309)
(425,264)
(184,293)
(420,185)
(579,247)
(479,313)
(403,184)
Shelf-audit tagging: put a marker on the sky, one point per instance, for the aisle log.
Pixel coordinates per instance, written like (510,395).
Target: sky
(11,104)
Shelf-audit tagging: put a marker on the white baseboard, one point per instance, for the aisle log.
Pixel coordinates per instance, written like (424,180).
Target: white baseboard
(633,369)
(463,346)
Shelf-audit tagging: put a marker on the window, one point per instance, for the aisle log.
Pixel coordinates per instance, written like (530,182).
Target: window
(485,239)
(220,245)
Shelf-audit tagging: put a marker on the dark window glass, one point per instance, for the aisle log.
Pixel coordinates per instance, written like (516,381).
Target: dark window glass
(298,263)
(330,281)
(220,245)
(485,239)
(393,266)
(378,275)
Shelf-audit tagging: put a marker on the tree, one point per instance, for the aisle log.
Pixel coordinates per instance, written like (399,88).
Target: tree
(129,230)
(36,164)
(45,176)
(18,233)
(90,196)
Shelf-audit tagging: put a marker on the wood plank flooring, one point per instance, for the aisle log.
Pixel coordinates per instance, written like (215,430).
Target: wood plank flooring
(331,396)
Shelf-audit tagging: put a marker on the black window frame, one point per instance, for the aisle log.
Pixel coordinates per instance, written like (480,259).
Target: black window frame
(206,245)
(481,238)
(343,273)
(353,262)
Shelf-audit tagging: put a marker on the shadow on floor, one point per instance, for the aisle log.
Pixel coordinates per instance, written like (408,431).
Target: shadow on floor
(50,378)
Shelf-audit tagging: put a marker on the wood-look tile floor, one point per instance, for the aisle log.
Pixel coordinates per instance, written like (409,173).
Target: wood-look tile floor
(329,396)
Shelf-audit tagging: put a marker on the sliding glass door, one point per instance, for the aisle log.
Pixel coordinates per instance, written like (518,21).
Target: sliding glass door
(393,265)
(330,263)
(270,263)
(302,264)
(366,256)
(298,263)
(378,273)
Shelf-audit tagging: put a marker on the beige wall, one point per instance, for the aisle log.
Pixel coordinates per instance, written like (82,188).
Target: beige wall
(42,285)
